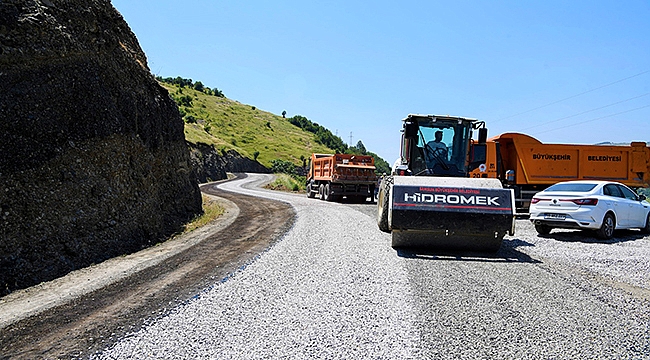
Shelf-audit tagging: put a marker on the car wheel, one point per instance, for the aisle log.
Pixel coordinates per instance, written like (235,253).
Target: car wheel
(646,229)
(543,229)
(606,230)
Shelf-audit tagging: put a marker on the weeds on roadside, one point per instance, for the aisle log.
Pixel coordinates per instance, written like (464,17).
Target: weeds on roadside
(211,210)
(285,182)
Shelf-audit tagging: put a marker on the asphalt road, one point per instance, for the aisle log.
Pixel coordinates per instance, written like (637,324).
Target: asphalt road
(332,287)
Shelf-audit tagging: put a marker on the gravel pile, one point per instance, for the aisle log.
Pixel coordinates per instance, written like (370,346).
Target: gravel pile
(334,288)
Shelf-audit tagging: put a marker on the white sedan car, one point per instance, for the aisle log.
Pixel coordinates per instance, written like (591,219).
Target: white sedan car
(603,206)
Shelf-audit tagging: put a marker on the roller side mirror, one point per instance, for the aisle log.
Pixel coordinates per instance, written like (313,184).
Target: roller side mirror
(411,129)
(482,135)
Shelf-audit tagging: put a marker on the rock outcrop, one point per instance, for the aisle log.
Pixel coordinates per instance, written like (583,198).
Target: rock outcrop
(94,162)
(211,165)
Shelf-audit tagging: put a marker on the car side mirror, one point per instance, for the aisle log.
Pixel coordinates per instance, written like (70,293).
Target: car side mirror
(642,197)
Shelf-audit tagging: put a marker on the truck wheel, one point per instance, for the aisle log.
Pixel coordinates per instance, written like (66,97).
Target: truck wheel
(646,229)
(382,209)
(328,196)
(606,230)
(321,191)
(543,229)
(310,194)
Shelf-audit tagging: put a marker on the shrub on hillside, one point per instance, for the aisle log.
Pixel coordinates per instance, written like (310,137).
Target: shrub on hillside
(181,83)
(184,100)
(283,167)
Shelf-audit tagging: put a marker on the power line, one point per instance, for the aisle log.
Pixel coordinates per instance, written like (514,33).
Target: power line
(573,96)
(585,112)
(586,121)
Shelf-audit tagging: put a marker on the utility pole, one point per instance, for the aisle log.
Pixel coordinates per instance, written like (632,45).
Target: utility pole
(350,138)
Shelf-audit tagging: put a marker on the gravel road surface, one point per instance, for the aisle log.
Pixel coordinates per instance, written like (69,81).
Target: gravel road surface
(333,287)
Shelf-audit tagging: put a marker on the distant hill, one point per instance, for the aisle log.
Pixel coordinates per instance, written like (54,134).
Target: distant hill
(213,119)
(229,125)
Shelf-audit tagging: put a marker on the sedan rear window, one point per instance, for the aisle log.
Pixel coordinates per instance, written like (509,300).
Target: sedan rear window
(581,187)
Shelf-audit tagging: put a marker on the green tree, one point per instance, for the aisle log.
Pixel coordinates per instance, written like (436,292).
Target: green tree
(381,165)
(361,148)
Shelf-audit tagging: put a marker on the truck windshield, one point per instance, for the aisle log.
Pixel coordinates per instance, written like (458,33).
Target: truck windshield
(442,148)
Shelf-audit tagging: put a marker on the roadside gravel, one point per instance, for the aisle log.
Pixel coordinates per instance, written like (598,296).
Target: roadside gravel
(333,288)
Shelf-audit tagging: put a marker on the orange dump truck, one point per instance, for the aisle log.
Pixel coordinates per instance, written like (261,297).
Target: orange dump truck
(525,164)
(338,175)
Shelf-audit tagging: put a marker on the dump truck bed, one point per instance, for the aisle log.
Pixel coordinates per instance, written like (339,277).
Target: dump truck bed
(336,175)
(538,163)
(529,166)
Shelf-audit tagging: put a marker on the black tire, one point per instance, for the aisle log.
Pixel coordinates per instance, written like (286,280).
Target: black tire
(310,194)
(646,229)
(543,229)
(326,193)
(606,230)
(382,209)
(321,191)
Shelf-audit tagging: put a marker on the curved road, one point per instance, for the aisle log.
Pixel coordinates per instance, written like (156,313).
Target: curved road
(91,308)
(333,287)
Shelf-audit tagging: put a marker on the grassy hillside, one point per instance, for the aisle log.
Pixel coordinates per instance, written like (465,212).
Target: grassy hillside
(254,133)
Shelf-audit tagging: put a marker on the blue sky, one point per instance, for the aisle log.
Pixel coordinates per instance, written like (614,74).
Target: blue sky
(561,71)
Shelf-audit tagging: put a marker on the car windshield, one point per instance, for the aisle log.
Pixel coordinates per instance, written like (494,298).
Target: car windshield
(571,187)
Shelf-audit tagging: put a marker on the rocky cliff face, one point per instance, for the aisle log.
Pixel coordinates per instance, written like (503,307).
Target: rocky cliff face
(211,165)
(93,160)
